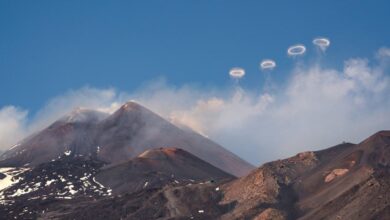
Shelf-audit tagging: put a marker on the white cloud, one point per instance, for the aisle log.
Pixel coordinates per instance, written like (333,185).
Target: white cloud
(12,125)
(383,52)
(316,108)
(86,97)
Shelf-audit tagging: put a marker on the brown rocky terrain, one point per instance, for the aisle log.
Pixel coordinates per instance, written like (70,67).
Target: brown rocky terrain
(295,188)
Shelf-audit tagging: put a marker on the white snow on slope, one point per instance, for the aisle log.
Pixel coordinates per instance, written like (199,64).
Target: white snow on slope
(49,182)
(9,179)
(16,145)
(101,185)
(68,152)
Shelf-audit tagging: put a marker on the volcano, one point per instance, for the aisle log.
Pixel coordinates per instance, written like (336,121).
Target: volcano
(116,138)
(347,181)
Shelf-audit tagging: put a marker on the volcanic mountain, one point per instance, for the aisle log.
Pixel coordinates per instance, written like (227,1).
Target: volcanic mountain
(116,138)
(347,181)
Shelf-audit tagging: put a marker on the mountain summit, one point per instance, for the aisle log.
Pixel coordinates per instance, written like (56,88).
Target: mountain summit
(116,138)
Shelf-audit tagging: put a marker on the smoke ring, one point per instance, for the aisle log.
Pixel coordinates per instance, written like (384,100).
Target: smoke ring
(267,64)
(237,72)
(322,43)
(296,50)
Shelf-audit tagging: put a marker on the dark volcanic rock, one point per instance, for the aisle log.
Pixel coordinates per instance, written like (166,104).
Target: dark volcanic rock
(198,201)
(67,178)
(73,186)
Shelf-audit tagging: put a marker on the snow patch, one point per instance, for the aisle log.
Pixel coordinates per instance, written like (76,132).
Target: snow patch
(98,183)
(102,187)
(49,182)
(68,152)
(10,176)
(62,178)
(14,146)
(63,197)
(71,189)
(20,192)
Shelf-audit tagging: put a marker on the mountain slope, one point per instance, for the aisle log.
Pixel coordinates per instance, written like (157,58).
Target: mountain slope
(154,168)
(30,192)
(115,138)
(348,181)
(134,125)
(74,132)
(355,185)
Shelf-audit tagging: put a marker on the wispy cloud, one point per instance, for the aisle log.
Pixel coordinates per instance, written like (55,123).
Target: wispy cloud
(317,107)
(15,123)
(12,125)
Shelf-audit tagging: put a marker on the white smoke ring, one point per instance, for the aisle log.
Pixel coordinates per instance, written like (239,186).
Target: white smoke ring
(296,50)
(322,43)
(237,72)
(267,64)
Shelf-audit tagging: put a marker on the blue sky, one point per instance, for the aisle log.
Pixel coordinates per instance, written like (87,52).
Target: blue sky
(57,55)
(49,47)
